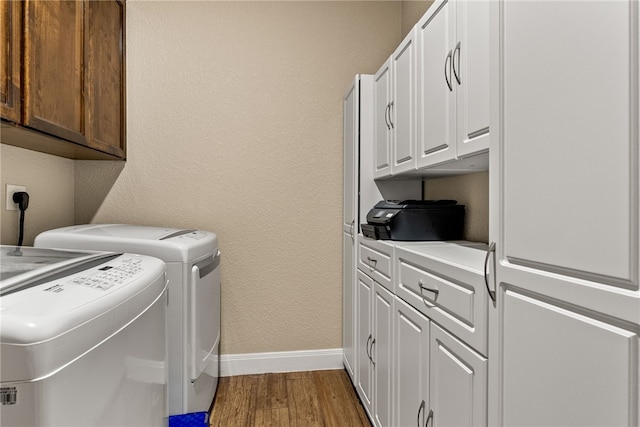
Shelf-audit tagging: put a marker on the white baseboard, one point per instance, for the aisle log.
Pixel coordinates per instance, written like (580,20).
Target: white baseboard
(284,361)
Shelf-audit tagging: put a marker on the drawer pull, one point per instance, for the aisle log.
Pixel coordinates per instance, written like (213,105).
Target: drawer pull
(372,262)
(424,288)
(420,409)
(429,418)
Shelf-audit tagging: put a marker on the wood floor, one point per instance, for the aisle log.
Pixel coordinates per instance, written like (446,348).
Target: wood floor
(305,399)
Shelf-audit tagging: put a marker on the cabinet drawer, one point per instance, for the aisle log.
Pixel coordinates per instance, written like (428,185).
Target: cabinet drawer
(374,258)
(445,282)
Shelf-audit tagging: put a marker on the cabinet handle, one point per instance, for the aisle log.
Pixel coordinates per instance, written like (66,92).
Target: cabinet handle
(371,352)
(492,249)
(453,62)
(446,76)
(372,262)
(386,116)
(353,223)
(391,121)
(420,409)
(429,418)
(423,287)
(368,340)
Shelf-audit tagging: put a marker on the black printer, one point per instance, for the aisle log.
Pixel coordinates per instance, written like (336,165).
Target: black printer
(415,220)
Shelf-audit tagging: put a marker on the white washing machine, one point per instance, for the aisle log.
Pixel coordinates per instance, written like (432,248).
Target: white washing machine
(82,338)
(193,315)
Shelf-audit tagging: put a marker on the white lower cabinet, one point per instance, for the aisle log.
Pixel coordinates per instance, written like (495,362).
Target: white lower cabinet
(411,378)
(411,370)
(457,382)
(582,367)
(374,349)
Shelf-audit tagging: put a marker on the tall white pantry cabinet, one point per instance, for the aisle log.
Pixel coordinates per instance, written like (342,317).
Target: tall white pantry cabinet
(561,295)
(564,213)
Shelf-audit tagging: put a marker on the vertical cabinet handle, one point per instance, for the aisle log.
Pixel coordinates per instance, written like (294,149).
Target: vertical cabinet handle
(446,75)
(420,409)
(353,223)
(429,418)
(492,249)
(391,121)
(386,116)
(373,342)
(368,341)
(453,62)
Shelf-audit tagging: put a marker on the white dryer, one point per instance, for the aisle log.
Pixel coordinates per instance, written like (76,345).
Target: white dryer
(193,314)
(82,338)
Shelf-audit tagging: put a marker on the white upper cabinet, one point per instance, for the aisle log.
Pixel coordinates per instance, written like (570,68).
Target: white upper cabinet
(382,123)
(436,103)
(569,139)
(394,120)
(470,62)
(402,111)
(452,81)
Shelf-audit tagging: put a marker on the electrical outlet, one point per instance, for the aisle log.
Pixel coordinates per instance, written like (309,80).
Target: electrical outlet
(9,204)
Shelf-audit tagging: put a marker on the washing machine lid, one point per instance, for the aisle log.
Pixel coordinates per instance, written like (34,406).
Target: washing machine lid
(168,244)
(20,266)
(59,317)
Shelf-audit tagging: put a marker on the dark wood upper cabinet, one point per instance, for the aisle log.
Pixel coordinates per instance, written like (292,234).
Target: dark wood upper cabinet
(104,76)
(53,64)
(10,30)
(72,87)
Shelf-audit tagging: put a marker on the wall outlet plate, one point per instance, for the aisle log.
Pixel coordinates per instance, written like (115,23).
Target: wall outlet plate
(9,205)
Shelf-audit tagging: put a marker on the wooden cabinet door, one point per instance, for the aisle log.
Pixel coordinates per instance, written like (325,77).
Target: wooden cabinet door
(382,355)
(435,83)
(564,366)
(411,364)
(381,121)
(471,65)
(402,112)
(53,64)
(458,381)
(364,337)
(104,76)
(10,36)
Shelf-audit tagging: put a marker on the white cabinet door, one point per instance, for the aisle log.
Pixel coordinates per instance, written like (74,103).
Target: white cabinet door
(403,109)
(382,121)
(453,81)
(411,379)
(569,138)
(350,156)
(565,213)
(382,355)
(348,304)
(436,102)
(364,336)
(458,381)
(470,62)
(565,366)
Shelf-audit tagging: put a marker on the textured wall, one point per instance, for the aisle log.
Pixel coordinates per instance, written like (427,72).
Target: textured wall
(235,126)
(470,190)
(412,11)
(50,184)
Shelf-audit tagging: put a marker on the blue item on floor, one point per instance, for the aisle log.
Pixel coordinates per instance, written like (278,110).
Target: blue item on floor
(194,419)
